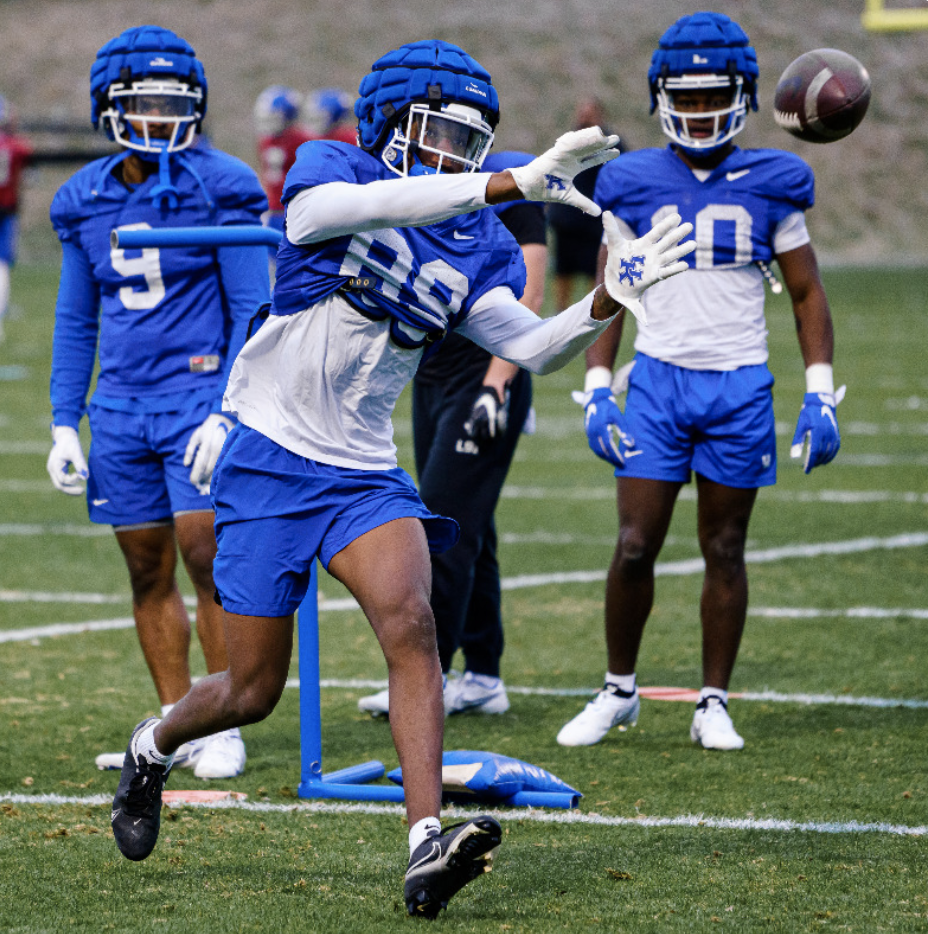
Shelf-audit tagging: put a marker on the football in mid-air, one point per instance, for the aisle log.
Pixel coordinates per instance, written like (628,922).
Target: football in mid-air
(822,96)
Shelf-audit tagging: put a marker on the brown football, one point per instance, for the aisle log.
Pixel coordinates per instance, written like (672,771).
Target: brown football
(822,96)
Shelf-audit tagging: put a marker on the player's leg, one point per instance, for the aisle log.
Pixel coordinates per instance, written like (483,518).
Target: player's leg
(387,570)
(723,516)
(645,508)
(221,755)
(259,659)
(196,541)
(735,456)
(161,619)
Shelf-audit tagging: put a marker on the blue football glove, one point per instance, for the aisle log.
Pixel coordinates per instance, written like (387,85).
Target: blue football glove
(817,429)
(605,426)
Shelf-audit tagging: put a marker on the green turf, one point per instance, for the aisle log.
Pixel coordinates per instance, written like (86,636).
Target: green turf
(64,699)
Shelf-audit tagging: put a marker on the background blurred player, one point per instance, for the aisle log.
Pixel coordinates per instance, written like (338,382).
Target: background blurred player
(279,134)
(15,154)
(387,251)
(169,325)
(468,410)
(328,114)
(699,397)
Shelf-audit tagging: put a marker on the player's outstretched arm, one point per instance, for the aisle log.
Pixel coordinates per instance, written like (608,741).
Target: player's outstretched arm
(550,177)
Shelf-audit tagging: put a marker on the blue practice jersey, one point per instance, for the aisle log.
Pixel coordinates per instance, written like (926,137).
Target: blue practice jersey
(734,212)
(168,319)
(425,277)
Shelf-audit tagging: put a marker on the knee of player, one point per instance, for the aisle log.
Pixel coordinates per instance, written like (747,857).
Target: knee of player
(724,553)
(407,631)
(634,554)
(255,701)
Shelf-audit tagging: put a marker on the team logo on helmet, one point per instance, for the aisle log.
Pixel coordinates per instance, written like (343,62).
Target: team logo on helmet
(427,107)
(703,52)
(148,89)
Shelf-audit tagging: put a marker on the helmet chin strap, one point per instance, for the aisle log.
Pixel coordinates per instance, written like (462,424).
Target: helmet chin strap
(164,194)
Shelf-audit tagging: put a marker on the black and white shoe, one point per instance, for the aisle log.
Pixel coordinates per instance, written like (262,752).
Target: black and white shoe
(136,816)
(445,862)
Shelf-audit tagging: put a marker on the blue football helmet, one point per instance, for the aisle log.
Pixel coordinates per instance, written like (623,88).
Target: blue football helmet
(149,90)
(276,108)
(703,51)
(427,107)
(325,108)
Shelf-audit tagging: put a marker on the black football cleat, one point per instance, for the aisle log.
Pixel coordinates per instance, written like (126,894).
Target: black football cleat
(136,816)
(445,862)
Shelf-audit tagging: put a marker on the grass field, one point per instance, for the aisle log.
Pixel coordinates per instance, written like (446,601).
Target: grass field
(820,823)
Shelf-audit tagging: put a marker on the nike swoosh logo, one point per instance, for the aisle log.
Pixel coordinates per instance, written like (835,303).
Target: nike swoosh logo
(100,502)
(734,176)
(459,236)
(114,815)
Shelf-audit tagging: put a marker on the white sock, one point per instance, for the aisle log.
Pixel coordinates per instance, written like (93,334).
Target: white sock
(714,692)
(145,746)
(421,830)
(166,709)
(624,683)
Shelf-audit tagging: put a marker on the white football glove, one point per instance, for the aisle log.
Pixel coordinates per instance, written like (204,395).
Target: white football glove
(66,453)
(634,265)
(550,176)
(206,443)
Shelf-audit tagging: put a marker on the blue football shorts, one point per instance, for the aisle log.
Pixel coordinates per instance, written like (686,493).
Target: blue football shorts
(136,462)
(718,423)
(276,512)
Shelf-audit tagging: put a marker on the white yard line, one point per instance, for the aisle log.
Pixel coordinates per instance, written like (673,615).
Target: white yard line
(696,821)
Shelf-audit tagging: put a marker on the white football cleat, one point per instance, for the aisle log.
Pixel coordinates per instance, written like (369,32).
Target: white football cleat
(185,758)
(378,705)
(712,727)
(476,694)
(609,708)
(222,756)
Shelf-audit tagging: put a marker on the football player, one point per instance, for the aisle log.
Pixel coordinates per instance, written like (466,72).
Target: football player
(327,112)
(699,396)
(169,325)
(279,135)
(387,250)
(15,154)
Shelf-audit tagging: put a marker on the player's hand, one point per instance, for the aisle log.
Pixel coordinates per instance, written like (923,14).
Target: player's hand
(635,265)
(817,429)
(489,415)
(66,464)
(605,425)
(550,177)
(204,447)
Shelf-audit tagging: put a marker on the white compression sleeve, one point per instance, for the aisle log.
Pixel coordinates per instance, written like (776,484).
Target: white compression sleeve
(500,324)
(339,208)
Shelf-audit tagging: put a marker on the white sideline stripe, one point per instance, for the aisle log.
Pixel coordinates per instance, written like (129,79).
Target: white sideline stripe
(846,497)
(763,556)
(65,629)
(854,612)
(524,814)
(769,696)
(35,528)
